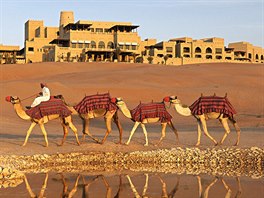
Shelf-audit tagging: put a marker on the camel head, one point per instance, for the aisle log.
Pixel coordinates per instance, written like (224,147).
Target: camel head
(118,101)
(12,99)
(172,99)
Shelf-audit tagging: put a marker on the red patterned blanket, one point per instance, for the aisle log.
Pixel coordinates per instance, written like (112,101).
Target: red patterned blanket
(52,106)
(98,101)
(150,110)
(207,104)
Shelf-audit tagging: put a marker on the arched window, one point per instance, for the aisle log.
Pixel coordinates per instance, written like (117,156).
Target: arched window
(257,57)
(110,45)
(261,57)
(101,45)
(198,50)
(209,50)
(93,44)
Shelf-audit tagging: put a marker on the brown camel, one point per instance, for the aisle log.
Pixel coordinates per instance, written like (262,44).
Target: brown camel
(163,116)
(108,110)
(221,115)
(41,121)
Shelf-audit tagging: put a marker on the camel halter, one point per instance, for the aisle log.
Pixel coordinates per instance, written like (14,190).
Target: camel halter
(29,97)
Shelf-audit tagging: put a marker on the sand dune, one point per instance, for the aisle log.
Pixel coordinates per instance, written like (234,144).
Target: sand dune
(244,84)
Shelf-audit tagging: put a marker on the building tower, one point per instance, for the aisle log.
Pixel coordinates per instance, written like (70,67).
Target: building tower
(66,17)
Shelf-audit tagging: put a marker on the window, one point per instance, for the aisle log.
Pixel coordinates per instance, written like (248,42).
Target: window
(208,50)
(228,58)
(208,56)
(110,45)
(134,47)
(198,50)
(249,55)
(198,56)
(80,45)
(92,29)
(218,57)
(86,45)
(127,47)
(218,50)
(106,30)
(99,29)
(186,49)
(261,57)
(186,55)
(93,44)
(73,45)
(169,49)
(101,45)
(257,57)
(31,49)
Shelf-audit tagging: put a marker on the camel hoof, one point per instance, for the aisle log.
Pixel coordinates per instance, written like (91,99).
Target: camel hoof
(198,144)
(145,144)
(127,143)
(216,144)
(23,145)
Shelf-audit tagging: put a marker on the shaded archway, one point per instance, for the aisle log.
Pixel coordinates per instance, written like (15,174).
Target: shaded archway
(110,45)
(93,44)
(209,50)
(101,45)
(198,50)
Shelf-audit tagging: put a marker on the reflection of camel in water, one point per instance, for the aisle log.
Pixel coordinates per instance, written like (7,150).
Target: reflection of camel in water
(108,194)
(43,188)
(204,193)
(108,115)
(66,192)
(153,108)
(201,119)
(144,192)
(22,114)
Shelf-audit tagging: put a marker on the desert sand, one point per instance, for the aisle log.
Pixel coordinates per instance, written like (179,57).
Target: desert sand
(243,83)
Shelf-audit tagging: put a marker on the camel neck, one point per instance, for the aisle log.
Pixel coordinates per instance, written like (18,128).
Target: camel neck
(185,111)
(21,112)
(125,110)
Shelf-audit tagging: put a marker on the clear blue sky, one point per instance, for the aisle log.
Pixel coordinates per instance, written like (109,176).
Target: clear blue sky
(233,20)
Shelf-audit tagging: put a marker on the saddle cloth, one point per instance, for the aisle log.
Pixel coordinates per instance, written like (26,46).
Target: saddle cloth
(150,110)
(50,107)
(92,102)
(208,104)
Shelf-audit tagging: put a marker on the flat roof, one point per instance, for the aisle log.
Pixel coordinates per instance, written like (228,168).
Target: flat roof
(124,26)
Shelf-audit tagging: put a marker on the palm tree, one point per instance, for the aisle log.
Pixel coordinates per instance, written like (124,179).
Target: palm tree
(166,57)
(150,59)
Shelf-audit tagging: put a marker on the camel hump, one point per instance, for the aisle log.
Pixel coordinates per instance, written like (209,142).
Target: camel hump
(97,101)
(50,107)
(208,104)
(150,110)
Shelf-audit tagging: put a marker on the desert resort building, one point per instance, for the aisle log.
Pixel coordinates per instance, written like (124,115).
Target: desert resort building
(88,41)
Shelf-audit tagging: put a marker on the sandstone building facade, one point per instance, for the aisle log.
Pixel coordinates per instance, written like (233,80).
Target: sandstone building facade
(86,40)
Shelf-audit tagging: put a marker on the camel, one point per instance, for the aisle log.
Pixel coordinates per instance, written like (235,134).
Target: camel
(108,114)
(41,121)
(201,118)
(166,119)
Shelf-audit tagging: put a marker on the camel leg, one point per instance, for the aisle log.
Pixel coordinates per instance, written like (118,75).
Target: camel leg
(44,134)
(29,189)
(108,128)
(108,187)
(65,132)
(73,128)
(33,124)
(203,122)
(145,133)
(86,130)
(146,185)
(133,187)
(237,130)
(227,129)
(200,188)
(229,191)
(174,130)
(44,186)
(199,133)
(132,132)
(163,132)
(118,124)
(164,187)
(206,192)
(74,189)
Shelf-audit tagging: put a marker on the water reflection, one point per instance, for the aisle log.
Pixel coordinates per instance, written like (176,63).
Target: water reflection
(134,185)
